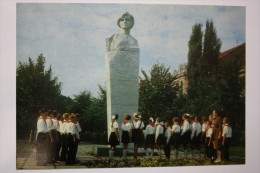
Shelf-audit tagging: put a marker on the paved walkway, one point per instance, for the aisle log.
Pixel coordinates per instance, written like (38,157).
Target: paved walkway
(85,153)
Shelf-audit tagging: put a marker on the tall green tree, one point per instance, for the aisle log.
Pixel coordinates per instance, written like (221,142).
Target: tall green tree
(36,89)
(157,91)
(203,77)
(193,72)
(208,66)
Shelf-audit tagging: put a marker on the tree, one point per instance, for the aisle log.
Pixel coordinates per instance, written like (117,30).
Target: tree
(36,89)
(203,90)
(157,92)
(232,86)
(98,112)
(209,77)
(193,72)
(92,110)
(194,55)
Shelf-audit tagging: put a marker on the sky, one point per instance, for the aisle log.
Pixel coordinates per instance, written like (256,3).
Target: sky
(71,36)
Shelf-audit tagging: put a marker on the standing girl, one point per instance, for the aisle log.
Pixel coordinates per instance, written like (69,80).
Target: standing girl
(203,131)
(149,138)
(226,136)
(159,138)
(137,132)
(209,149)
(185,134)
(114,136)
(167,144)
(175,139)
(126,134)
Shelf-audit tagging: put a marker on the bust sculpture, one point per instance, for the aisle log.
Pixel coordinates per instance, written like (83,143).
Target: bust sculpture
(123,40)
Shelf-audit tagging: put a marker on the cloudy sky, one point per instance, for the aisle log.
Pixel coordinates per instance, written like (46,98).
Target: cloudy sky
(72,36)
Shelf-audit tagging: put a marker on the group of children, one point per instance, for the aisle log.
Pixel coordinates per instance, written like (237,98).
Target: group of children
(188,131)
(57,138)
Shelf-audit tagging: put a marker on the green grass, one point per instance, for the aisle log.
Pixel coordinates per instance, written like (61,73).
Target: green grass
(119,163)
(237,151)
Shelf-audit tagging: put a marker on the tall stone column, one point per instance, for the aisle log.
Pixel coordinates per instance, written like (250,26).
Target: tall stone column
(122,71)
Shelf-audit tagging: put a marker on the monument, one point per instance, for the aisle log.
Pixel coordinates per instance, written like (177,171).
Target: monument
(122,71)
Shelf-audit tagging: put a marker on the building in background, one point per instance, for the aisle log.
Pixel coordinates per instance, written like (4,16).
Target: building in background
(236,54)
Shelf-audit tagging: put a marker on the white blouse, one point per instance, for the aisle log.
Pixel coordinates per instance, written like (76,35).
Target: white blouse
(113,126)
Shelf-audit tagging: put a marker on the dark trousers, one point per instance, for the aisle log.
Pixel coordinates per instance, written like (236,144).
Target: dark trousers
(50,149)
(41,143)
(209,149)
(167,150)
(64,147)
(185,139)
(72,146)
(57,147)
(76,144)
(226,149)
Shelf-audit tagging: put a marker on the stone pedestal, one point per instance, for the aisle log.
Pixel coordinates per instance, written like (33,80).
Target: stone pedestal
(122,80)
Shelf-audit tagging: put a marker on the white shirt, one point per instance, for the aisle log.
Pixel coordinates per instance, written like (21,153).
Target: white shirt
(203,128)
(149,130)
(227,130)
(137,125)
(209,132)
(168,134)
(199,128)
(176,128)
(41,126)
(55,124)
(113,126)
(49,123)
(65,127)
(126,126)
(158,131)
(193,129)
(60,126)
(71,128)
(185,127)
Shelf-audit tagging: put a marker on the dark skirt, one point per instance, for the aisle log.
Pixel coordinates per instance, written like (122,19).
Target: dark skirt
(175,140)
(125,137)
(198,140)
(113,141)
(137,136)
(160,139)
(185,138)
(150,139)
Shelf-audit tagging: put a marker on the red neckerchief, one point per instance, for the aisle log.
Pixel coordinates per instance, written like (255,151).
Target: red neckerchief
(40,117)
(227,125)
(49,119)
(126,121)
(152,124)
